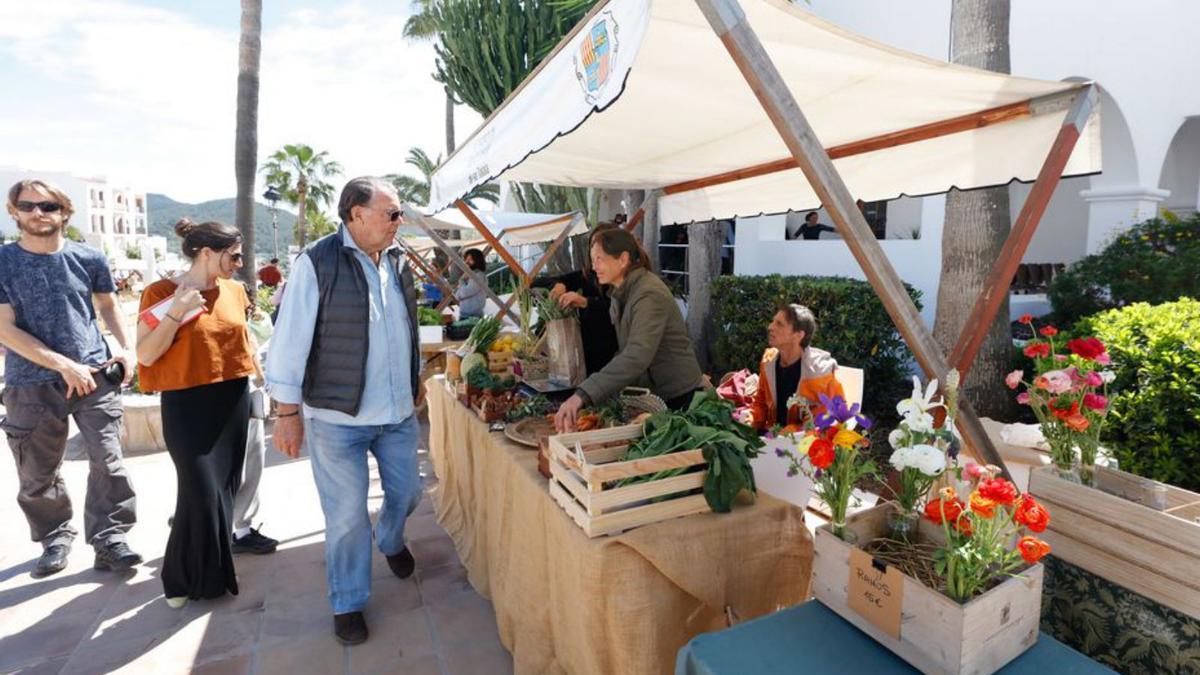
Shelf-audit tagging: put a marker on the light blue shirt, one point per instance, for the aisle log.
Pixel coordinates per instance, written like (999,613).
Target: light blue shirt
(388,395)
(471,298)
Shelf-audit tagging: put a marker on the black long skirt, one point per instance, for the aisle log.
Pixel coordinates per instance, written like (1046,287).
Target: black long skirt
(205,430)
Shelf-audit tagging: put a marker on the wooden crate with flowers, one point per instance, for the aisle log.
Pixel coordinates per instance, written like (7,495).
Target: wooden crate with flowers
(1136,532)
(949,585)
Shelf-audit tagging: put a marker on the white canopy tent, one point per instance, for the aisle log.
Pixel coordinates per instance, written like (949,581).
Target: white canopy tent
(729,108)
(669,107)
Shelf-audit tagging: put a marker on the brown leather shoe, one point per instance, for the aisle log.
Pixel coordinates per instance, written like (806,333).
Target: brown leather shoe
(402,563)
(350,628)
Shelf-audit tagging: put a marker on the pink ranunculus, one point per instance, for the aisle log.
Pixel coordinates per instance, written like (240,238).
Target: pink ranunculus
(1094,379)
(1056,381)
(1095,402)
(1060,357)
(973,471)
(1023,398)
(1014,378)
(1104,359)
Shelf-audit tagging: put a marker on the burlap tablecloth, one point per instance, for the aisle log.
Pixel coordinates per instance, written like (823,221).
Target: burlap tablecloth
(617,605)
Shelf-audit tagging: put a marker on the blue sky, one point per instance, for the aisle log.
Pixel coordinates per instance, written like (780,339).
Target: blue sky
(144,92)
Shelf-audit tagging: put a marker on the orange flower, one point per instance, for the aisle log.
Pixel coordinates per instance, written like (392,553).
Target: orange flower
(944,509)
(1071,417)
(1032,549)
(1031,514)
(982,506)
(963,525)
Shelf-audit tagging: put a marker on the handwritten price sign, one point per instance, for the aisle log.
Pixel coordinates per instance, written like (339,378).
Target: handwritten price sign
(875,591)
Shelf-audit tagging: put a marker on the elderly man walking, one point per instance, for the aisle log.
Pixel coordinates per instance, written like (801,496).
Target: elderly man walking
(343,367)
(58,365)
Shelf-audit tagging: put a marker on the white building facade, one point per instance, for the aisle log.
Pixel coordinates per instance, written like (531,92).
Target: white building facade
(1148,65)
(112,218)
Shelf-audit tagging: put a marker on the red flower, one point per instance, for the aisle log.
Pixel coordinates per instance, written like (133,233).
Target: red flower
(821,453)
(1026,318)
(1032,549)
(1037,350)
(1031,514)
(998,490)
(1071,417)
(1088,348)
(940,510)
(1048,331)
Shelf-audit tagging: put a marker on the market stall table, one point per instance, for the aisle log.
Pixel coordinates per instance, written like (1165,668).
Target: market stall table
(617,604)
(812,638)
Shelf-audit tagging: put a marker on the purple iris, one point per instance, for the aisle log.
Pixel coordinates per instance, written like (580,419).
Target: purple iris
(837,411)
(818,473)
(780,453)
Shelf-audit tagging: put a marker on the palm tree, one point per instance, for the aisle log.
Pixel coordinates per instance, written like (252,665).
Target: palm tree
(300,173)
(422,26)
(245,151)
(416,190)
(978,221)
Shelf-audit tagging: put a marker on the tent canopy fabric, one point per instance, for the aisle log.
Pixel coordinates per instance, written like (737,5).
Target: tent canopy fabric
(642,94)
(513,229)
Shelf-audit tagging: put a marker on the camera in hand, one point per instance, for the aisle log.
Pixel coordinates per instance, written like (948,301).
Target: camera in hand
(114,372)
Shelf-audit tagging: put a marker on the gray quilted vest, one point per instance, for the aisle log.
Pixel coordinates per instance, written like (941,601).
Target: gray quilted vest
(336,373)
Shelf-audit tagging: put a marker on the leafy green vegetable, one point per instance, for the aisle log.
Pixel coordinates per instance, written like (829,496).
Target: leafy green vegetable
(484,334)
(427,316)
(549,310)
(534,406)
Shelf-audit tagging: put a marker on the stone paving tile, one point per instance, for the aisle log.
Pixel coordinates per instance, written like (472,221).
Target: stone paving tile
(83,621)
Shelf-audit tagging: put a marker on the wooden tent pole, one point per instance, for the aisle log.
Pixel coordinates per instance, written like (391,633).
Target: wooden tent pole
(992,295)
(493,241)
(456,259)
(729,23)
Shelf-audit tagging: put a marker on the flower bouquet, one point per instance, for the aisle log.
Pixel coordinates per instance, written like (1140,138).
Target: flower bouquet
(920,450)
(1069,397)
(828,448)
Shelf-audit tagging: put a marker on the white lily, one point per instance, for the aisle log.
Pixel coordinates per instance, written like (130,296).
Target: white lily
(920,403)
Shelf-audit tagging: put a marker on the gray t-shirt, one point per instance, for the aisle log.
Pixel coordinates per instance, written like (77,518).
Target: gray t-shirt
(51,296)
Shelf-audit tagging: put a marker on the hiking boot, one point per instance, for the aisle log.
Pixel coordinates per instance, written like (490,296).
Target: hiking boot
(402,563)
(53,560)
(116,557)
(255,543)
(350,628)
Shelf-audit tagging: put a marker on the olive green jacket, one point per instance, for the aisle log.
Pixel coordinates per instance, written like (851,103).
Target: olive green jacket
(653,346)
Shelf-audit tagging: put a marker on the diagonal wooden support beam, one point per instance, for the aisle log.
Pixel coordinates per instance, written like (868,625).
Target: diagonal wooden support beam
(492,241)
(455,259)
(549,253)
(423,266)
(992,295)
(729,23)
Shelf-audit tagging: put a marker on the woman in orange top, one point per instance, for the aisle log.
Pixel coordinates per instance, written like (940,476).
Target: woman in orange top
(202,367)
(792,367)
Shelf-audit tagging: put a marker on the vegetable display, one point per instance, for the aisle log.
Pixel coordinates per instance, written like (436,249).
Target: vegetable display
(549,310)
(483,334)
(708,424)
(427,316)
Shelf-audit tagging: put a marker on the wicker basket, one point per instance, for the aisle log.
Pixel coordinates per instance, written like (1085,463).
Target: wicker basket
(638,400)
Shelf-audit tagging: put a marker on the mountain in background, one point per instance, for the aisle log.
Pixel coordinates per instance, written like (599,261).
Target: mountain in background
(165,212)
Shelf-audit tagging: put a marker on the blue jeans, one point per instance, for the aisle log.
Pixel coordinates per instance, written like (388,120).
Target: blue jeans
(338,455)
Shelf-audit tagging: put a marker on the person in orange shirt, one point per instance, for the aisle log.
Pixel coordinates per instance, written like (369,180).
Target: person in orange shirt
(202,366)
(792,367)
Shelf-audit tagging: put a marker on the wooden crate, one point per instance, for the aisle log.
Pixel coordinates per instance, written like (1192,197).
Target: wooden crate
(584,465)
(499,362)
(937,634)
(1151,552)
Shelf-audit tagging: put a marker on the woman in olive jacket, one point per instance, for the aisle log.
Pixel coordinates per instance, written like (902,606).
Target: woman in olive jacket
(654,349)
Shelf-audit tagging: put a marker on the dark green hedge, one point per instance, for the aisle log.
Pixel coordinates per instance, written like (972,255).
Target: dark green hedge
(1154,261)
(852,325)
(1154,426)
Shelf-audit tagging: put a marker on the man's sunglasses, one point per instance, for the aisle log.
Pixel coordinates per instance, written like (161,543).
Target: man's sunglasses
(44,207)
(394,215)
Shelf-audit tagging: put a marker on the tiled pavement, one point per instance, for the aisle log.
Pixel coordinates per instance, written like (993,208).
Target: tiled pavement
(83,621)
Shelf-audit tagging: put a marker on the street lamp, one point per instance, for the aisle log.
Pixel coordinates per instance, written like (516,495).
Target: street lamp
(272,195)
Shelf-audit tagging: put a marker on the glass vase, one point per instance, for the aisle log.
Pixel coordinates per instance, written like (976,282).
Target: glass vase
(1065,460)
(903,524)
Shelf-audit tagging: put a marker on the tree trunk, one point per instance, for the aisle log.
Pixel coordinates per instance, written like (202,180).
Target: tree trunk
(704,263)
(977,222)
(245,151)
(449,123)
(302,218)
(649,230)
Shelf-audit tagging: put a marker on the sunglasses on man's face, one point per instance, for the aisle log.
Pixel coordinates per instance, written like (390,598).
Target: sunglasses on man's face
(44,207)
(394,215)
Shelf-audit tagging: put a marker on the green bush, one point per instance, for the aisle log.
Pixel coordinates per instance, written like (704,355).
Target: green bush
(1155,261)
(1154,426)
(851,325)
